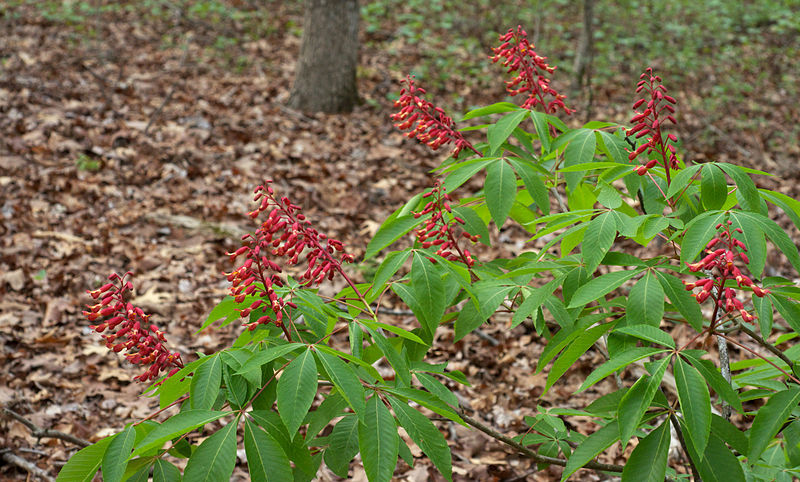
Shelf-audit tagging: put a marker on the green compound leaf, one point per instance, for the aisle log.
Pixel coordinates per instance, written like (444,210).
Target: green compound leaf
(648,461)
(266,460)
(501,190)
(695,403)
(378,441)
(297,387)
(215,458)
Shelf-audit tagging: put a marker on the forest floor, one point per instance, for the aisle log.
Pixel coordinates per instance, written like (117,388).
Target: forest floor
(120,152)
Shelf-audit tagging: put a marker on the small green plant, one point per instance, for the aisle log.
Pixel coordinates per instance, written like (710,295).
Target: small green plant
(299,385)
(85,163)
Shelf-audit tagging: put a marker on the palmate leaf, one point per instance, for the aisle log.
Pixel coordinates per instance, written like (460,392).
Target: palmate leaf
(174,426)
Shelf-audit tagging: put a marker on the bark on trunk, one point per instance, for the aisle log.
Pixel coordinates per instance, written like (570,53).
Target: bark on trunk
(325,80)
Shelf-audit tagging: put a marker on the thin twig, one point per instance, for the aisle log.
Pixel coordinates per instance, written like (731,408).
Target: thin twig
(769,346)
(39,432)
(26,465)
(530,453)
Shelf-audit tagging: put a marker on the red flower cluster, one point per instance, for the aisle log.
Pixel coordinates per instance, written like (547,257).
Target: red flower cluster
(650,121)
(285,233)
(722,260)
(433,126)
(134,333)
(438,231)
(530,67)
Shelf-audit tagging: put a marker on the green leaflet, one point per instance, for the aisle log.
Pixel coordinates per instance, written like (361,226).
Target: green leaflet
(266,460)
(378,441)
(215,458)
(695,403)
(297,387)
(638,399)
(646,301)
(500,189)
(648,461)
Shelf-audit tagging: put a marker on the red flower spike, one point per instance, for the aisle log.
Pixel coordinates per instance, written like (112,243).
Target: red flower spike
(438,231)
(518,55)
(649,123)
(285,233)
(721,263)
(134,326)
(433,126)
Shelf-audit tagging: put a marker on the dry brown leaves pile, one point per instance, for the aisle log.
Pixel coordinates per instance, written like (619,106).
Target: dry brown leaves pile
(119,153)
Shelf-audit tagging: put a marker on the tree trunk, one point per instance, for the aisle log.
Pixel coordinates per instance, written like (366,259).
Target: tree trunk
(325,80)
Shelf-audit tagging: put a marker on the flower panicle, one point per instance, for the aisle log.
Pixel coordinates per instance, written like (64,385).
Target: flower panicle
(285,233)
(125,327)
(429,124)
(719,265)
(438,229)
(658,109)
(518,54)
